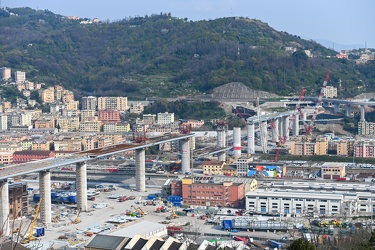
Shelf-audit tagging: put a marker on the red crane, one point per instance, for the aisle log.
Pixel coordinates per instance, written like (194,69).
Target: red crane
(320,97)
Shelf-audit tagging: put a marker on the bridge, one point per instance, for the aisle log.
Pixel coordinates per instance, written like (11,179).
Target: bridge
(44,166)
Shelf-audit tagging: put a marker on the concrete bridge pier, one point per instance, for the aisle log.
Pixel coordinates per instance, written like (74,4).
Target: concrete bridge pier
(281,127)
(296,125)
(362,110)
(348,110)
(275,137)
(336,108)
(45,196)
(185,155)
(286,127)
(81,185)
(4,207)
(222,156)
(250,138)
(140,170)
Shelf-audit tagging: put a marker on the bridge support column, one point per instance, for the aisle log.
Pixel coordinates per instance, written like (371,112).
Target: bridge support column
(222,156)
(185,156)
(250,138)
(286,127)
(4,209)
(45,195)
(362,110)
(81,186)
(296,125)
(348,110)
(275,137)
(140,170)
(336,108)
(281,126)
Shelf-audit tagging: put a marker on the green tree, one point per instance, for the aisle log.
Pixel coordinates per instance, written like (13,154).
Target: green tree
(301,244)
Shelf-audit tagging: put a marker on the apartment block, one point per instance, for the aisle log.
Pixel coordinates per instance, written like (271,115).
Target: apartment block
(330,92)
(20,77)
(213,167)
(67,124)
(89,102)
(149,119)
(90,126)
(47,95)
(113,103)
(366,128)
(109,116)
(5,73)
(165,118)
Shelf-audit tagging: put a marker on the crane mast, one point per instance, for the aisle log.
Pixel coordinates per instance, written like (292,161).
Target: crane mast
(320,97)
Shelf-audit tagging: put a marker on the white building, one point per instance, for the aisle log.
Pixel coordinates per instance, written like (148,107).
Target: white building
(3,122)
(20,77)
(330,92)
(301,202)
(165,118)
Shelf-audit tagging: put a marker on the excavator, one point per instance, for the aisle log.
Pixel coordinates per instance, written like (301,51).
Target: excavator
(30,236)
(173,214)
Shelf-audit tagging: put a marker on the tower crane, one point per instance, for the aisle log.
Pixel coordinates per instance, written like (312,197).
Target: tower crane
(320,97)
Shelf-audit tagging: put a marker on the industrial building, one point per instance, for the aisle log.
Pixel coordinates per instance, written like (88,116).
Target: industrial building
(300,203)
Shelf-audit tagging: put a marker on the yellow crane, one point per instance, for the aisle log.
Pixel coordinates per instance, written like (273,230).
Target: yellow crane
(173,214)
(30,236)
(77,219)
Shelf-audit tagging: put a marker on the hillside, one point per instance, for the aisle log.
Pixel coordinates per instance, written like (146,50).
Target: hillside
(163,56)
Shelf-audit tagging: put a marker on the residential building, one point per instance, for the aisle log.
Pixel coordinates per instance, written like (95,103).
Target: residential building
(321,146)
(242,165)
(67,96)
(89,143)
(302,147)
(41,145)
(3,122)
(89,102)
(47,95)
(113,103)
(67,124)
(44,123)
(5,73)
(366,128)
(68,144)
(31,155)
(213,167)
(149,119)
(165,118)
(90,126)
(365,149)
(19,77)
(18,200)
(71,105)
(136,108)
(88,115)
(193,123)
(109,116)
(6,157)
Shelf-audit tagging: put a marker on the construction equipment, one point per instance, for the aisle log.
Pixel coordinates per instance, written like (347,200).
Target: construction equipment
(173,214)
(77,219)
(30,236)
(320,97)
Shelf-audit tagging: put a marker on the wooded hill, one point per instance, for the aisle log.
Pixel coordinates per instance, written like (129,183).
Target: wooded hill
(164,56)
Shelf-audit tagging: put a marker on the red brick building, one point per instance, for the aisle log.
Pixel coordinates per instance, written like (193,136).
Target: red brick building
(31,155)
(18,200)
(226,194)
(106,116)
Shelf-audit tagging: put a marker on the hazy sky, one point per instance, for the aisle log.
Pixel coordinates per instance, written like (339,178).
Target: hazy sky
(345,22)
